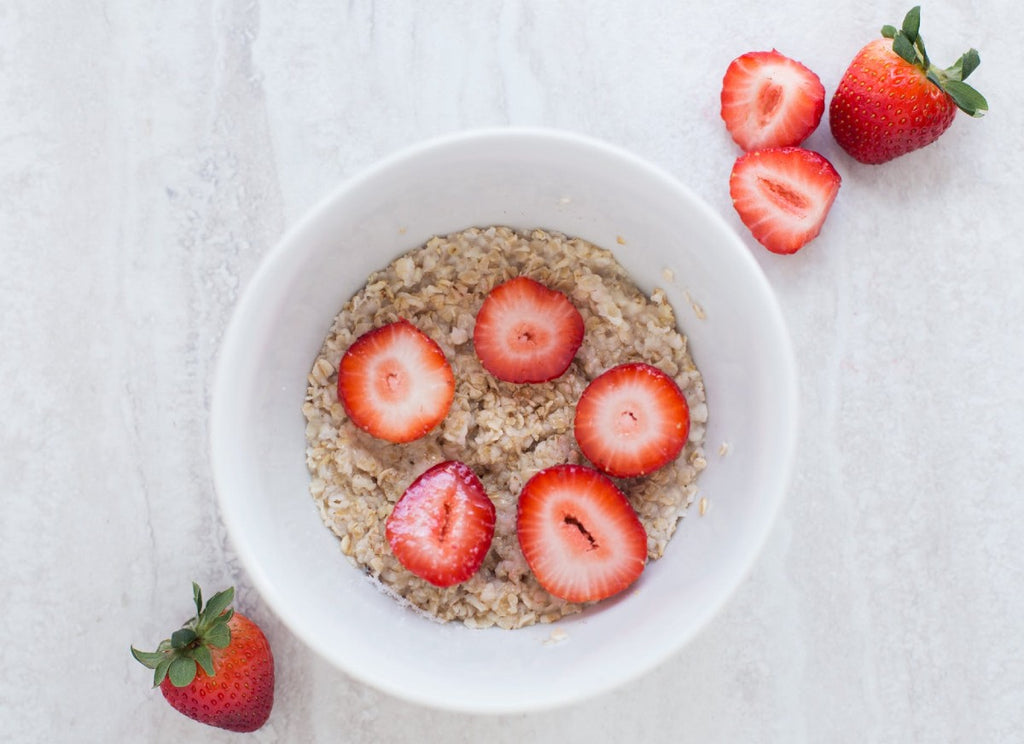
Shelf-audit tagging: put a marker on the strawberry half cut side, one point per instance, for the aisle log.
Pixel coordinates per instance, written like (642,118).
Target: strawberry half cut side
(395,382)
(770,100)
(783,195)
(579,534)
(442,526)
(526,332)
(631,420)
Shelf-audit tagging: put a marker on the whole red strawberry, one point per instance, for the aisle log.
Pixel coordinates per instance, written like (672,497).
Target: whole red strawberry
(893,100)
(216,669)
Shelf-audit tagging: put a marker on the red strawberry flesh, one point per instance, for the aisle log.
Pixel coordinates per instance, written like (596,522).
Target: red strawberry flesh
(783,195)
(526,332)
(442,526)
(579,534)
(631,420)
(395,382)
(770,100)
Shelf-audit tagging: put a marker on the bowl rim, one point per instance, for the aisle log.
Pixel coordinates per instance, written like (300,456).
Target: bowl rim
(218,426)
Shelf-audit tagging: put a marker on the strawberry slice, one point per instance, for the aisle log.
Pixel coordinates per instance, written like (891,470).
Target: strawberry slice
(783,195)
(631,420)
(441,528)
(579,534)
(770,100)
(395,382)
(526,332)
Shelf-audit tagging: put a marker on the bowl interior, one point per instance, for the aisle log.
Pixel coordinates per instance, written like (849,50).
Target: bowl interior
(522,178)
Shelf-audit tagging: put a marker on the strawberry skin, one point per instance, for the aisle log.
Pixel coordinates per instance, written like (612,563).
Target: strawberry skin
(770,100)
(885,107)
(240,694)
(395,382)
(631,420)
(526,332)
(579,534)
(442,526)
(783,195)
(892,100)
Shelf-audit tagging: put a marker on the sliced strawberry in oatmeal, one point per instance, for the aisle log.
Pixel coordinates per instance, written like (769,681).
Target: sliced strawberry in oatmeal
(579,534)
(526,332)
(441,528)
(395,382)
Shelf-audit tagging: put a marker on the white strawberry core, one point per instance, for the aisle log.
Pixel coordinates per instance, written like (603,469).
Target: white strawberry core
(785,198)
(630,420)
(576,535)
(578,530)
(392,381)
(628,424)
(527,338)
(408,381)
(768,100)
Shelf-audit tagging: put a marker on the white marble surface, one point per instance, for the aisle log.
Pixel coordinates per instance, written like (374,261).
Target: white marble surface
(151,153)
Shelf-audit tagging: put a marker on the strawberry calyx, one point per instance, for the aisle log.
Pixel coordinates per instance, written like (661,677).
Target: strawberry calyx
(177,657)
(908,44)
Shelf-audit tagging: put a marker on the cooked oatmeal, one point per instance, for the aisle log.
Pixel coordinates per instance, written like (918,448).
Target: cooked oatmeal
(505,432)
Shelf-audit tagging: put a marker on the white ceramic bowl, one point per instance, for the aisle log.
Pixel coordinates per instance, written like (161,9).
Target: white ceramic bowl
(521,178)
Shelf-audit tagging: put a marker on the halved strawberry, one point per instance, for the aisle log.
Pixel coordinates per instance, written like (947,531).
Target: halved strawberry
(631,420)
(770,100)
(442,527)
(395,382)
(579,534)
(526,332)
(783,195)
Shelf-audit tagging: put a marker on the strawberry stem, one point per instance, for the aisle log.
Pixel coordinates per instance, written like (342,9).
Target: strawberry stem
(176,657)
(908,44)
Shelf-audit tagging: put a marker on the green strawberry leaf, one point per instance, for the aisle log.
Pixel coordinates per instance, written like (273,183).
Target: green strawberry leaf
(888,31)
(964,66)
(219,636)
(912,23)
(219,602)
(969,62)
(179,657)
(161,670)
(966,98)
(149,659)
(182,637)
(202,655)
(182,671)
(904,48)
